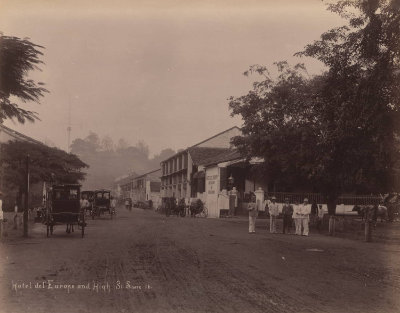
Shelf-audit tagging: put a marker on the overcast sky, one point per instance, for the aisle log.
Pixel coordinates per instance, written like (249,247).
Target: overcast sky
(158,71)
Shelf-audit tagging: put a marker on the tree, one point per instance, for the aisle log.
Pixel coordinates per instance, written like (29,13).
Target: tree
(143,148)
(122,144)
(107,144)
(361,95)
(279,123)
(17,58)
(338,131)
(46,164)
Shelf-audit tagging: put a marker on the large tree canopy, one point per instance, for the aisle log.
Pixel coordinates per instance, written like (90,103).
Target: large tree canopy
(338,131)
(46,164)
(17,58)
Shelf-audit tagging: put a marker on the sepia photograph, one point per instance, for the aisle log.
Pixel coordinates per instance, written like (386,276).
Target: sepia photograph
(199,156)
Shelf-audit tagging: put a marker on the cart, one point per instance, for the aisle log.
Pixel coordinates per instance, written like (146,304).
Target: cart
(102,203)
(63,207)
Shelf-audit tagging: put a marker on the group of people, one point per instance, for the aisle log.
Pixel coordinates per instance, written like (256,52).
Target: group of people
(297,213)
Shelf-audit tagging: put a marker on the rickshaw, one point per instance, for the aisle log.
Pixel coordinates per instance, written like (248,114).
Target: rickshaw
(102,203)
(63,207)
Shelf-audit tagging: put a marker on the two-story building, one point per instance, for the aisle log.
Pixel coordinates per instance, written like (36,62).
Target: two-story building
(143,187)
(178,172)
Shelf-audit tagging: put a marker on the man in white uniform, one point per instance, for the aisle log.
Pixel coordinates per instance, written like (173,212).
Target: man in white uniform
(273,214)
(305,211)
(297,217)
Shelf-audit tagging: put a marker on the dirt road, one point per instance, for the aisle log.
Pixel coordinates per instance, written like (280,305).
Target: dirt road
(145,262)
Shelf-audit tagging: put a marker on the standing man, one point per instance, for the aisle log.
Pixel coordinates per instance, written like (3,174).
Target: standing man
(113,204)
(305,211)
(297,217)
(253,213)
(320,217)
(287,212)
(314,213)
(273,214)
(84,204)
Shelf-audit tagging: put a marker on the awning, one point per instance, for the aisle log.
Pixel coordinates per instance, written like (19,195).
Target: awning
(198,175)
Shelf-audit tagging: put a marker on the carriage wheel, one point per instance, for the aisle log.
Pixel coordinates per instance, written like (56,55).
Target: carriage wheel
(51,229)
(183,213)
(167,212)
(204,213)
(48,230)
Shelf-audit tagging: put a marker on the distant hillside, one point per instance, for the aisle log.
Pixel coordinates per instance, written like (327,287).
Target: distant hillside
(108,161)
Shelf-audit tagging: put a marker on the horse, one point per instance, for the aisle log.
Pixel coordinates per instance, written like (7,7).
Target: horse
(392,202)
(373,212)
(181,208)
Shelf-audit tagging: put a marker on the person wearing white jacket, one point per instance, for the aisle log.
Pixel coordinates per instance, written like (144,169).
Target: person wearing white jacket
(305,211)
(297,217)
(273,209)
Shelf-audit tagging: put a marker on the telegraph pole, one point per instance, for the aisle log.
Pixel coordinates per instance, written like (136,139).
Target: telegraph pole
(26,198)
(69,128)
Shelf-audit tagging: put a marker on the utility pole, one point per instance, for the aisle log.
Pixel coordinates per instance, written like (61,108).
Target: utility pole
(69,128)
(26,198)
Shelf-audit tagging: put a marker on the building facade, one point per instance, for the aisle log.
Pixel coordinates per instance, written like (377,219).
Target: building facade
(10,197)
(178,173)
(143,187)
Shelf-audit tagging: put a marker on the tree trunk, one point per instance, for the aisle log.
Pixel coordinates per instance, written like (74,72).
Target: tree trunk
(26,198)
(332,225)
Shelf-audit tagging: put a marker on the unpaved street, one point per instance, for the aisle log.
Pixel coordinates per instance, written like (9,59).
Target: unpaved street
(145,262)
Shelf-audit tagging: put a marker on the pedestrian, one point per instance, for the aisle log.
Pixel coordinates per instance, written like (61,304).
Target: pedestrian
(253,213)
(84,204)
(273,210)
(113,204)
(305,210)
(320,217)
(287,212)
(16,217)
(297,218)
(314,212)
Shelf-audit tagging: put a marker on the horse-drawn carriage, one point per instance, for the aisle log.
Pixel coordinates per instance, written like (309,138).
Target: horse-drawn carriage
(386,210)
(63,207)
(102,203)
(170,206)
